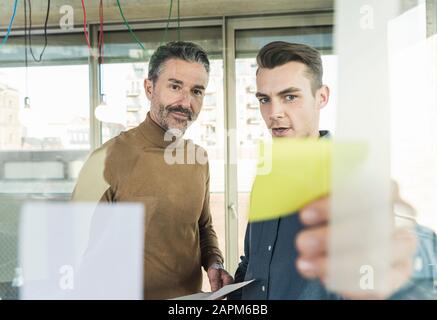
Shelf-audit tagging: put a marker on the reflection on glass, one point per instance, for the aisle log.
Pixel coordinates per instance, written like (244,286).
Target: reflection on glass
(42,145)
(251,127)
(126,100)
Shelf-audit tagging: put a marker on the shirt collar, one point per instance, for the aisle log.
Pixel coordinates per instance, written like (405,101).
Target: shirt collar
(325,134)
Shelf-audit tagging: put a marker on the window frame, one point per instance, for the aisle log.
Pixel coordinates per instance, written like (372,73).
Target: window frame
(229,25)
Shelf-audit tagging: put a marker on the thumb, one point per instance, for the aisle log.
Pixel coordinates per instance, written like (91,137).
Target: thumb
(214,279)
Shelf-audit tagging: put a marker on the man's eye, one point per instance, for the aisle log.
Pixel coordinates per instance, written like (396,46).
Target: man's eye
(290,97)
(198,93)
(263,100)
(175,87)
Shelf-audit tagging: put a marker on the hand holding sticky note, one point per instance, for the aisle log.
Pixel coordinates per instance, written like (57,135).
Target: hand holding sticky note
(299,173)
(295,172)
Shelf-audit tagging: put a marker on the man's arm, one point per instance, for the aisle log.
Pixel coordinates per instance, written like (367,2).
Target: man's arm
(422,285)
(312,245)
(209,248)
(212,259)
(91,185)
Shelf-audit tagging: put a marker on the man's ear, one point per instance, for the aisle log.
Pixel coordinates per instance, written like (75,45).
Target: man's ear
(148,87)
(323,96)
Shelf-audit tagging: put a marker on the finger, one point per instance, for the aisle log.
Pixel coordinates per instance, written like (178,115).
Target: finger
(312,242)
(400,274)
(316,212)
(404,246)
(312,268)
(226,279)
(214,279)
(215,284)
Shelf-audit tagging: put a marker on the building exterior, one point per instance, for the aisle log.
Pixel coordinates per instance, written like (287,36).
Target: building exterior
(10,127)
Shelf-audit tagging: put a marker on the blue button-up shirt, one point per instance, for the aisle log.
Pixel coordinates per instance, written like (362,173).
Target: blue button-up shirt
(270,255)
(270,258)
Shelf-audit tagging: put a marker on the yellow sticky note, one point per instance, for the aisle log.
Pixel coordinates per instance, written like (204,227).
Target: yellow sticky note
(291,174)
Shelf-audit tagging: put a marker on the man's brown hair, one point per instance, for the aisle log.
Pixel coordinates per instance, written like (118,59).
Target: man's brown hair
(278,53)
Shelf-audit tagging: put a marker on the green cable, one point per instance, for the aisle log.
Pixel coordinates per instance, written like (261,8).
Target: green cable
(168,21)
(179,24)
(128,26)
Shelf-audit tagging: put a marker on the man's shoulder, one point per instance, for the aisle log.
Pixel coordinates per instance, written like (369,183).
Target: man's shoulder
(121,144)
(117,153)
(129,137)
(188,141)
(200,154)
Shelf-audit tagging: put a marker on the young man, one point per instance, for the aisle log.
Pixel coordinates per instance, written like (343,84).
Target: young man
(288,256)
(138,167)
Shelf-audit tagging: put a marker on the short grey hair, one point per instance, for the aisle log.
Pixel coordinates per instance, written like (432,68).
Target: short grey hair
(186,51)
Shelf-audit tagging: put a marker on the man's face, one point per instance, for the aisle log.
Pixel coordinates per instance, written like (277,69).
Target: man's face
(288,105)
(177,95)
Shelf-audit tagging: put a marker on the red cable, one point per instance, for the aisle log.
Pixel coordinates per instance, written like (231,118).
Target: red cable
(87,38)
(101,39)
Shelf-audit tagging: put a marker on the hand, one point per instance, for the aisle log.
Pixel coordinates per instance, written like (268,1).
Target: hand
(312,245)
(218,277)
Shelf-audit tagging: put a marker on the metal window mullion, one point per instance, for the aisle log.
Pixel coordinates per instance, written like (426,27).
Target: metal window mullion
(94,88)
(230,117)
(431,18)
(230,27)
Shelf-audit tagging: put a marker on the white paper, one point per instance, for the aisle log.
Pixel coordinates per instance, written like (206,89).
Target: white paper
(216,294)
(361,219)
(77,251)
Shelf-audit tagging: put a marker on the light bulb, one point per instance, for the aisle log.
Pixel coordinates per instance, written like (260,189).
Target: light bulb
(108,114)
(27,103)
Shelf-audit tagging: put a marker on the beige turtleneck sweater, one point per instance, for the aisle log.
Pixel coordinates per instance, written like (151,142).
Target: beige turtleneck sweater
(179,235)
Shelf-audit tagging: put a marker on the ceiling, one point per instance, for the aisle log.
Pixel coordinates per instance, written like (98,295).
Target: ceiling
(148,10)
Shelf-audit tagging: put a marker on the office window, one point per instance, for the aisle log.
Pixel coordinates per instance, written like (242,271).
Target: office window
(43,144)
(48,127)
(123,74)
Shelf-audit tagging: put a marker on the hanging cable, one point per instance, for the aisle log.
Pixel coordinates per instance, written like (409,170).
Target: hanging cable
(25,35)
(168,22)
(85,31)
(30,30)
(26,61)
(101,43)
(179,23)
(128,26)
(10,24)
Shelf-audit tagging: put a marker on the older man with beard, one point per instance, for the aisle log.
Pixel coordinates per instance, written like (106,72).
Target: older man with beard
(139,167)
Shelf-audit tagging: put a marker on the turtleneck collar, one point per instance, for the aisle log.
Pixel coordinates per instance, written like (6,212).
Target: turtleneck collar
(156,135)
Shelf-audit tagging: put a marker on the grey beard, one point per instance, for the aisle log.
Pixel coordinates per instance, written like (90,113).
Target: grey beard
(164,112)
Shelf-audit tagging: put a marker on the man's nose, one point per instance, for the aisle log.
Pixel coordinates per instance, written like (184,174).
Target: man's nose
(185,99)
(277,111)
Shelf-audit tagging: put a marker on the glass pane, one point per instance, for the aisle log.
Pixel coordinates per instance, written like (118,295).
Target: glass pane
(120,47)
(42,147)
(43,143)
(122,82)
(61,49)
(248,42)
(250,125)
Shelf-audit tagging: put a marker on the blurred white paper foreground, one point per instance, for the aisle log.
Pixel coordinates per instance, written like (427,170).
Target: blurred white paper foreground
(78,251)
(362,219)
(216,294)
